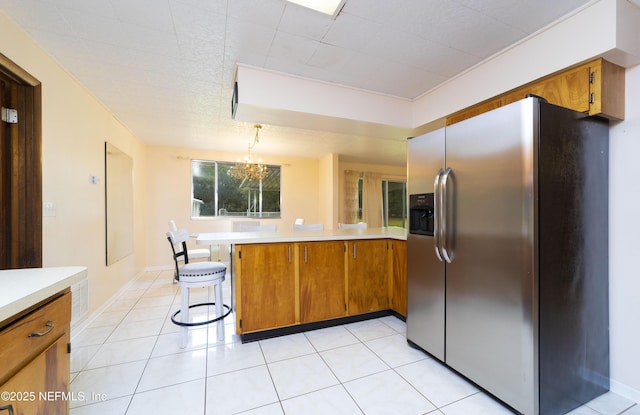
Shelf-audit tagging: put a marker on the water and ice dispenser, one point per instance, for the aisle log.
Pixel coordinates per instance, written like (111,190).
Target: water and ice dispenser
(421,214)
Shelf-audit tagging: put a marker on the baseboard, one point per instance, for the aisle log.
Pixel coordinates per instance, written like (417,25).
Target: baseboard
(159,268)
(299,328)
(78,327)
(625,391)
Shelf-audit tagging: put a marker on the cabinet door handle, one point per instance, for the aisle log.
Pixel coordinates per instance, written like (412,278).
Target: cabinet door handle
(49,326)
(7,408)
(289,252)
(354,251)
(306,259)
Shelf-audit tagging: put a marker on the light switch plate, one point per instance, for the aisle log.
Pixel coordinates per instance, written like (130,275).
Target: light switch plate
(48,209)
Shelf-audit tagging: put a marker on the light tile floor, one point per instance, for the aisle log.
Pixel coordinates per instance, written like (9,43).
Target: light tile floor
(127,361)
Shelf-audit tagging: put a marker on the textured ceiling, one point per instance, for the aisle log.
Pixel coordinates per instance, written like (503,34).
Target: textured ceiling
(165,67)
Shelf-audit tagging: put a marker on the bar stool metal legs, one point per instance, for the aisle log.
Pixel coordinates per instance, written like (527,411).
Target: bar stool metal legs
(183,320)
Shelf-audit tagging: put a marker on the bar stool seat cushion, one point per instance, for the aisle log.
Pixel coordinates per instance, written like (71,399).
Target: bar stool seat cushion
(201,272)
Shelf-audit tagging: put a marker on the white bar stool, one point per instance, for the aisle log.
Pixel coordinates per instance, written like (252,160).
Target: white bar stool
(196,275)
(308,227)
(194,253)
(359,225)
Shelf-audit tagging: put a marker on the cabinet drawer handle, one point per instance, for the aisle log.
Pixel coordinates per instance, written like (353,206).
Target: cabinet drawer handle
(7,408)
(50,327)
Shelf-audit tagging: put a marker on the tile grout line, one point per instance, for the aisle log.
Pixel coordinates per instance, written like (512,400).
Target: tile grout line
(400,375)
(273,383)
(331,370)
(148,358)
(84,369)
(334,374)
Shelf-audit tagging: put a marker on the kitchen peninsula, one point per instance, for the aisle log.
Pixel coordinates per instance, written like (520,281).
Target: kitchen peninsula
(284,282)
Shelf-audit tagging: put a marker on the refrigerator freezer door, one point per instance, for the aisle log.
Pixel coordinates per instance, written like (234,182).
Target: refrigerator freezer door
(425,272)
(490,312)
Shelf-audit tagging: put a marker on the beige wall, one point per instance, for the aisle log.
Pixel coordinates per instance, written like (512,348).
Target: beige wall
(75,127)
(169,195)
(328,188)
(624,227)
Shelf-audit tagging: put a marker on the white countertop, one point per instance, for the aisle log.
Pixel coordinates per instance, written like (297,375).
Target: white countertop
(23,288)
(300,236)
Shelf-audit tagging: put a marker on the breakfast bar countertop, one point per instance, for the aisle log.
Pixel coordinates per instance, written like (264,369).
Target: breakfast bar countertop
(23,288)
(300,236)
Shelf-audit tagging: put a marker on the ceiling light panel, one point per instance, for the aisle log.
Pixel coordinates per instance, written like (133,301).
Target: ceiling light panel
(330,7)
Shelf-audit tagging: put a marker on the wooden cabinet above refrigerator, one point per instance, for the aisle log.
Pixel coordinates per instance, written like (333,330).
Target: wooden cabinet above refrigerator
(595,88)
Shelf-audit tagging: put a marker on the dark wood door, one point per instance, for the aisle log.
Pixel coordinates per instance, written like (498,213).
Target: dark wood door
(4,190)
(20,174)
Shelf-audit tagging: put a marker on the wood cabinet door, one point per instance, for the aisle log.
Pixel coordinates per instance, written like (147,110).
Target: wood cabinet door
(595,87)
(267,285)
(367,276)
(568,89)
(607,89)
(43,384)
(398,259)
(322,280)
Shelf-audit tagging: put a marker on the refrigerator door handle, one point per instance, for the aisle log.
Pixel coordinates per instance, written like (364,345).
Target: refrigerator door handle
(446,210)
(437,209)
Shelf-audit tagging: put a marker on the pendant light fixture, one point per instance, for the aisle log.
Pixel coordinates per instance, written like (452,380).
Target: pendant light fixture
(248,169)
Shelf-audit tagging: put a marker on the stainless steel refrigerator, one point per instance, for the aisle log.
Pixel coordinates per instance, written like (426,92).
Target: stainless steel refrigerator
(507,253)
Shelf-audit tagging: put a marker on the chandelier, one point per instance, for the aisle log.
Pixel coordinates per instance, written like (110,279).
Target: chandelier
(247,169)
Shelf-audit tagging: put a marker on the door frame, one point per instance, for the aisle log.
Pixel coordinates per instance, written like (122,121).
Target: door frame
(21,241)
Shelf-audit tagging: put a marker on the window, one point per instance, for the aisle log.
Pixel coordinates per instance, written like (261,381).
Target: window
(215,192)
(394,203)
